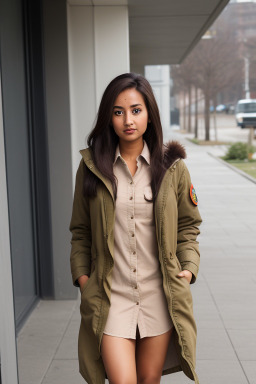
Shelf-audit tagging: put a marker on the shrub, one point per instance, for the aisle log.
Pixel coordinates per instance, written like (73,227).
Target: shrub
(251,149)
(237,151)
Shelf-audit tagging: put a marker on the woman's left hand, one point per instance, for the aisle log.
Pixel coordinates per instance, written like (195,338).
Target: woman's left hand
(187,274)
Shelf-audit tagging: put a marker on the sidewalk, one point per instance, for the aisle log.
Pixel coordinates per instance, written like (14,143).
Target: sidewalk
(224,294)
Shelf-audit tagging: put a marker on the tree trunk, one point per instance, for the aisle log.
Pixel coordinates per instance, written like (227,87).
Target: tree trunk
(184,111)
(189,108)
(207,115)
(214,118)
(196,113)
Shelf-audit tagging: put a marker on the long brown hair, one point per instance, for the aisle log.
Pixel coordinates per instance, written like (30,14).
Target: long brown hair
(103,139)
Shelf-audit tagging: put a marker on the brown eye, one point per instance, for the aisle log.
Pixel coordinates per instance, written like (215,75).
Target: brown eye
(118,113)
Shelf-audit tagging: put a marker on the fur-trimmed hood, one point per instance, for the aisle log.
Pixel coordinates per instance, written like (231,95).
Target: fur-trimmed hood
(173,151)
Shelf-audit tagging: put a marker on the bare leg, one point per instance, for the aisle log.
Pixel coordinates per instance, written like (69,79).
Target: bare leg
(150,357)
(118,356)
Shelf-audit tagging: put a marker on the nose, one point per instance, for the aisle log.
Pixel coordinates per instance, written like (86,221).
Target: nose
(128,119)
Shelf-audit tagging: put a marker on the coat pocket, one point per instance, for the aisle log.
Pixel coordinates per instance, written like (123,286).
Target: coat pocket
(88,281)
(180,269)
(85,286)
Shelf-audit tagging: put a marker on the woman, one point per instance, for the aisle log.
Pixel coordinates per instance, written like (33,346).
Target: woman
(134,251)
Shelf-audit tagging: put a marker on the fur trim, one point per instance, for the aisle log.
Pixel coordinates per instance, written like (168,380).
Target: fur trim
(173,150)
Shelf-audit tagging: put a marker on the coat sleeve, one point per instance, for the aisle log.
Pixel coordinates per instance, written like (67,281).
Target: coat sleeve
(80,256)
(189,220)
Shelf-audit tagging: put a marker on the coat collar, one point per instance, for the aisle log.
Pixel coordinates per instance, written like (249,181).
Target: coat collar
(87,156)
(173,151)
(145,153)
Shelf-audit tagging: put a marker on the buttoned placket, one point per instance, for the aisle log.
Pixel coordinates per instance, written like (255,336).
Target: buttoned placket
(132,234)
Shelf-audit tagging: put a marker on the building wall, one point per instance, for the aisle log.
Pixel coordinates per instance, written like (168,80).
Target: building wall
(98,40)
(18,158)
(8,359)
(59,141)
(81,77)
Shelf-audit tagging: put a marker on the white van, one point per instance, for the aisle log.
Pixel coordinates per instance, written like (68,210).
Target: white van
(246,113)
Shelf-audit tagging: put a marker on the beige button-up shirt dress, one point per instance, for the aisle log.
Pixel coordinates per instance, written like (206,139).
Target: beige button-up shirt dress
(137,297)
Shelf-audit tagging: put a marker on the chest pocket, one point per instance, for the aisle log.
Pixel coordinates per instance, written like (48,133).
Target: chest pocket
(143,208)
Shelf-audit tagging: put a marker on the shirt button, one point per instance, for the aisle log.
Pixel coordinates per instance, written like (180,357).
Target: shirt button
(131,182)
(132,234)
(131,198)
(137,303)
(134,253)
(134,270)
(135,287)
(132,217)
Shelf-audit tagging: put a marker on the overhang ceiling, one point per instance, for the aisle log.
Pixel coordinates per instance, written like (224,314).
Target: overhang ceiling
(165,31)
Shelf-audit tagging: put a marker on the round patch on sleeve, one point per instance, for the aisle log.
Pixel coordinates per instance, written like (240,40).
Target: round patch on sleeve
(193,195)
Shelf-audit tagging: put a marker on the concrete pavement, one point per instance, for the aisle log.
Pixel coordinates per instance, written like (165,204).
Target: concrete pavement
(224,294)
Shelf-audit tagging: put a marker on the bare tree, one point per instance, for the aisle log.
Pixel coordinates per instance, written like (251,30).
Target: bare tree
(219,66)
(184,80)
(212,66)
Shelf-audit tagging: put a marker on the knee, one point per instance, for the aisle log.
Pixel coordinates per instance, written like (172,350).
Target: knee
(149,378)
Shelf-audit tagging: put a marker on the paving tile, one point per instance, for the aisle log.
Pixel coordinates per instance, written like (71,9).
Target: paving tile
(76,314)
(220,372)
(176,378)
(39,338)
(244,341)
(214,344)
(205,311)
(63,372)
(210,322)
(244,240)
(207,316)
(44,329)
(68,346)
(241,323)
(250,370)
(234,260)
(32,371)
(211,372)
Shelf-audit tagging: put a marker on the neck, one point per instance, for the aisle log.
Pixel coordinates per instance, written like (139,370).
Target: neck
(130,150)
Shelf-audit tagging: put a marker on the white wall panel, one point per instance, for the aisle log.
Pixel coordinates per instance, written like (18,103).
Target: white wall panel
(81,77)
(98,39)
(111,45)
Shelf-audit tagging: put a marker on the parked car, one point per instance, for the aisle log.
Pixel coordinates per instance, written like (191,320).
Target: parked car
(246,113)
(221,108)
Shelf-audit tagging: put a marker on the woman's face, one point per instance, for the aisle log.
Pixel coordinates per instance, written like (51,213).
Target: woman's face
(130,116)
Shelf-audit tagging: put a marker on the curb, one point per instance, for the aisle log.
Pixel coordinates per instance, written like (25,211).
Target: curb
(242,173)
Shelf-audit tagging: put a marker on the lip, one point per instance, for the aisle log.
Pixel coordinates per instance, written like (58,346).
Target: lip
(131,130)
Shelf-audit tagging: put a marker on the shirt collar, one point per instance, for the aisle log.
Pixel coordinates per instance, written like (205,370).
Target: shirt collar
(145,153)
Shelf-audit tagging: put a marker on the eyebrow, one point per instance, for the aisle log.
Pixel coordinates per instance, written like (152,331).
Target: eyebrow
(131,106)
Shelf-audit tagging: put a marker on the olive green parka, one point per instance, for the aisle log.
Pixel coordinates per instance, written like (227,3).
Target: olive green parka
(92,253)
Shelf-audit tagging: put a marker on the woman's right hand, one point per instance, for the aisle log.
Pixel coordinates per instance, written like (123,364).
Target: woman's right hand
(82,280)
